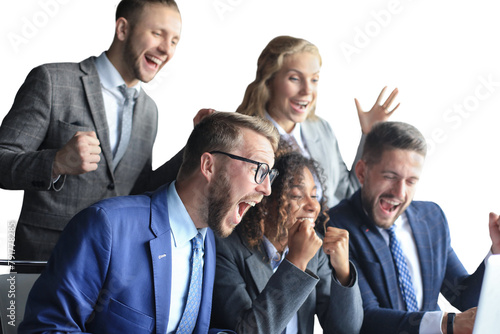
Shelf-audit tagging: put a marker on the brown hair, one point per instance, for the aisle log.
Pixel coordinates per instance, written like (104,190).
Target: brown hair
(257,94)
(131,9)
(387,136)
(221,131)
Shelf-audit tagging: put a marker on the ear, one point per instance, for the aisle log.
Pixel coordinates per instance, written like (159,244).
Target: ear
(207,167)
(122,28)
(360,170)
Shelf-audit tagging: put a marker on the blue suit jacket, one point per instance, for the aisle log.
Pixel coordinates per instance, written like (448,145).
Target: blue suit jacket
(442,271)
(110,272)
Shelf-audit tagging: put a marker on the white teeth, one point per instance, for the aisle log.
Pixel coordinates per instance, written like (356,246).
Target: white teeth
(251,203)
(155,60)
(303,103)
(309,219)
(391,202)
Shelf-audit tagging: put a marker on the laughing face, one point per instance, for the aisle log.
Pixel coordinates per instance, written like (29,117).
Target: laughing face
(150,43)
(303,201)
(233,190)
(294,89)
(388,186)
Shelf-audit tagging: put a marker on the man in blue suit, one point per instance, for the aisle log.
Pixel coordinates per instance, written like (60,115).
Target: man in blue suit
(400,295)
(123,264)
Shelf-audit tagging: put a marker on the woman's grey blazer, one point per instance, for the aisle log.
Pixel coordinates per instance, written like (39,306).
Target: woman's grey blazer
(249,298)
(323,147)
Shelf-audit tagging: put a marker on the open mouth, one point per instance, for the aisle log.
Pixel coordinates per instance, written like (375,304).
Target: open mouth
(243,207)
(310,220)
(300,106)
(389,205)
(153,61)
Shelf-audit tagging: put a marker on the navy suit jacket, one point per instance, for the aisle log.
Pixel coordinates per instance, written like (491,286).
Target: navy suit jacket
(442,271)
(110,272)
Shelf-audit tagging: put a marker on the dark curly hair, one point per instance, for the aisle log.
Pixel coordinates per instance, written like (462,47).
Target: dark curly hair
(275,208)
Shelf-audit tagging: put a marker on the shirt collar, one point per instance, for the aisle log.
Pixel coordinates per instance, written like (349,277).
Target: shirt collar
(296,132)
(274,256)
(181,224)
(109,75)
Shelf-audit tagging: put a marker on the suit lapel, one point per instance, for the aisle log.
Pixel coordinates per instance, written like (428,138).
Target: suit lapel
(312,138)
(421,234)
(259,269)
(161,255)
(381,252)
(92,86)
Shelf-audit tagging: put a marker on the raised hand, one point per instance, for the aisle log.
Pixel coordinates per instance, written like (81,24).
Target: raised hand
(303,243)
(336,244)
(378,113)
(495,232)
(80,155)
(202,113)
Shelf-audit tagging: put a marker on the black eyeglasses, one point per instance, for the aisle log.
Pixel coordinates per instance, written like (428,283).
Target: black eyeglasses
(262,168)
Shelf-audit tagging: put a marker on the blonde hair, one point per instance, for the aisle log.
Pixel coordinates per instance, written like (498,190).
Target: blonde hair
(257,94)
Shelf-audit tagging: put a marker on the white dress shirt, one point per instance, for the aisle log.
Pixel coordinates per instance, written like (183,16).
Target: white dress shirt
(431,321)
(113,98)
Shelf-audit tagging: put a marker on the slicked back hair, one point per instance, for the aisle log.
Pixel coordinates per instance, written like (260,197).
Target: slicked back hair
(131,9)
(387,136)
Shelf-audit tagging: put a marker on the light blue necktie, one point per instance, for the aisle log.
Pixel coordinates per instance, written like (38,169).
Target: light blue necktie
(126,123)
(404,277)
(190,315)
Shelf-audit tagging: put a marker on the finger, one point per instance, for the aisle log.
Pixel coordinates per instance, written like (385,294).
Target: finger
(391,98)
(494,219)
(380,96)
(396,107)
(358,107)
(293,229)
(94,149)
(93,159)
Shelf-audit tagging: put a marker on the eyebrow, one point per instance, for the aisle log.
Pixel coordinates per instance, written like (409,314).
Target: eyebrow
(297,71)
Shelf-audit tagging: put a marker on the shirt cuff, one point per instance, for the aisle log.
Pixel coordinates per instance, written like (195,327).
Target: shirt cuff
(431,323)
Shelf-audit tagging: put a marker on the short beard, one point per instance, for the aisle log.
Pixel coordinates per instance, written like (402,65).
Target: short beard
(219,205)
(131,59)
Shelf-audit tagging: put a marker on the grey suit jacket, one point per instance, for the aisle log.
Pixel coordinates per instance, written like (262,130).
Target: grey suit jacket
(55,102)
(324,148)
(249,298)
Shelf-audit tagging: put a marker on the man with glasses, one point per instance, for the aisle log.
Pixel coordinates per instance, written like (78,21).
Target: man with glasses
(123,265)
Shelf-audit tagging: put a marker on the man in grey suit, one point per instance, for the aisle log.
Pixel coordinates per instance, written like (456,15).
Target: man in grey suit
(73,137)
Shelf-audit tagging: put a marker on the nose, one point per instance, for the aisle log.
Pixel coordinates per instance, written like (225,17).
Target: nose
(307,87)
(310,204)
(265,186)
(399,189)
(167,47)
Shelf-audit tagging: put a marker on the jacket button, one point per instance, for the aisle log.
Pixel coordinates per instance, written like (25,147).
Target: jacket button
(111,186)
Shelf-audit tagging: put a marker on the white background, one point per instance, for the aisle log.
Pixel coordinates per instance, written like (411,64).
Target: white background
(442,55)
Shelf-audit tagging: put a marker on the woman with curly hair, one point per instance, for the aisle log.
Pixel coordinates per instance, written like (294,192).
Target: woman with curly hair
(273,274)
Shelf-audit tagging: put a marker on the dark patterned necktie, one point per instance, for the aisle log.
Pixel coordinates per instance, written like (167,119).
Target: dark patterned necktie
(404,277)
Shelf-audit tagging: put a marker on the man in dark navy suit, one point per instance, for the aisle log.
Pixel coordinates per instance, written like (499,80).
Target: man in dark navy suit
(402,247)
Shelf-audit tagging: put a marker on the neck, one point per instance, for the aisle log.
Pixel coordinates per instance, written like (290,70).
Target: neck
(190,195)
